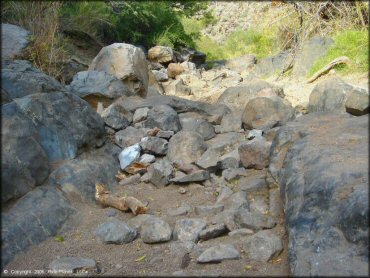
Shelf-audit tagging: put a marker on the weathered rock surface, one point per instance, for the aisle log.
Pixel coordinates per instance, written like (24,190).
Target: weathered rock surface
(116,116)
(196,176)
(161,54)
(263,246)
(264,113)
(154,145)
(336,95)
(116,232)
(309,54)
(160,172)
(13,40)
(190,122)
(253,220)
(19,78)
(140,115)
(185,147)
(72,264)
(126,62)
(64,123)
(255,153)
(163,117)
(99,84)
(324,189)
(174,70)
(213,231)
(155,230)
(219,253)
(46,211)
(129,136)
(238,97)
(188,229)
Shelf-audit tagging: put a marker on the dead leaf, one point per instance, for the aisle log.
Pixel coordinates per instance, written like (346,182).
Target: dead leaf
(137,167)
(248,267)
(120,176)
(276,261)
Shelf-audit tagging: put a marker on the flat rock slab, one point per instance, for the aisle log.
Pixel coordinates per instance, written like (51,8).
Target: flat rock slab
(116,232)
(197,176)
(155,230)
(263,246)
(13,40)
(72,264)
(188,229)
(219,253)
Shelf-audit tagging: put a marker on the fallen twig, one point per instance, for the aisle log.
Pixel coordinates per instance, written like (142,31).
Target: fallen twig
(337,61)
(103,196)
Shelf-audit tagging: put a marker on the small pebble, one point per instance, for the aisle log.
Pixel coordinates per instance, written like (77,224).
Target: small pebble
(182,190)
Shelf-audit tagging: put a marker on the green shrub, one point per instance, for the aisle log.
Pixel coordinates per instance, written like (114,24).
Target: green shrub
(351,43)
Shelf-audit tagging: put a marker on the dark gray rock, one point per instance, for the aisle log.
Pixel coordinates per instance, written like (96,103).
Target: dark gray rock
(207,210)
(255,153)
(163,117)
(264,113)
(196,176)
(24,163)
(138,221)
(231,122)
(321,164)
(160,172)
(154,145)
(155,230)
(209,160)
(99,84)
(253,220)
(236,200)
(180,105)
(115,232)
(191,55)
(32,219)
(72,264)
(13,40)
(19,78)
(140,115)
(219,253)
(236,98)
(213,231)
(129,136)
(186,147)
(248,185)
(116,116)
(79,176)
(129,155)
(233,173)
(188,229)
(224,192)
(263,246)
(133,179)
(230,160)
(272,65)
(225,142)
(65,123)
(190,122)
(311,51)
(225,217)
(336,95)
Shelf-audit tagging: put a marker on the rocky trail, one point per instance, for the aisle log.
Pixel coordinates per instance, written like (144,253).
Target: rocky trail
(239,175)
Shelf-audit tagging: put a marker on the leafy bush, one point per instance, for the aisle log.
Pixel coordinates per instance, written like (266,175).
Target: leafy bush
(351,43)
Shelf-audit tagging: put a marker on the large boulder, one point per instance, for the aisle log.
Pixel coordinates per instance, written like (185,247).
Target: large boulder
(336,95)
(321,162)
(24,163)
(126,62)
(19,78)
(186,147)
(13,40)
(255,153)
(98,84)
(161,54)
(265,113)
(65,123)
(309,54)
(194,122)
(163,117)
(34,218)
(77,177)
(174,70)
(238,97)
(272,65)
